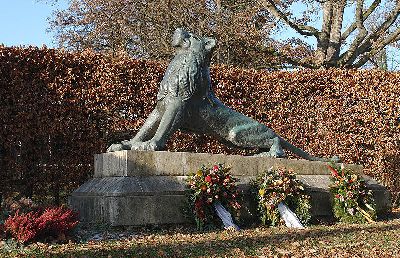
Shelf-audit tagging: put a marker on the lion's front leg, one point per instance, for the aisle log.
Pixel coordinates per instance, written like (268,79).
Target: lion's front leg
(149,127)
(145,133)
(170,121)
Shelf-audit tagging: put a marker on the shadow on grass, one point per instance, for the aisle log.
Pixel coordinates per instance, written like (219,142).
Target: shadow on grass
(217,247)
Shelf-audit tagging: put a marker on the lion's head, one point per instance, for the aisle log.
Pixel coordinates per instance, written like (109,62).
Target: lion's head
(188,73)
(186,41)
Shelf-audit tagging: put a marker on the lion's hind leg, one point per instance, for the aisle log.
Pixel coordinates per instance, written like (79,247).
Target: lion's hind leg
(275,151)
(256,135)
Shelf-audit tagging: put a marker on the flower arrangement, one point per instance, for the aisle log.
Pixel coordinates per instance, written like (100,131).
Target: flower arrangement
(352,202)
(280,185)
(209,186)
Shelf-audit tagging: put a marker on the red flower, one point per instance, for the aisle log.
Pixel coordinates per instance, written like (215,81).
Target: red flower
(333,171)
(236,205)
(198,204)
(208,179)
(215,167)
(201,214)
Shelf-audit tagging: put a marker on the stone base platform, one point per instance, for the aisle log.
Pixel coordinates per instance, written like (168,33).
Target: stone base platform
(141,188)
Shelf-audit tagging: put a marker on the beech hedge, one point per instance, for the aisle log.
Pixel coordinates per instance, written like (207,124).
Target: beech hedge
(58,108)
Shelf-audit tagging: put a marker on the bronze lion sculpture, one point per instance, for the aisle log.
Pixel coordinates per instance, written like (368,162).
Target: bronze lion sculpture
(185,100)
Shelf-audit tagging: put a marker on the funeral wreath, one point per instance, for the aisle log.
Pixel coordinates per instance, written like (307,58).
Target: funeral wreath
(281,186)
(352,201)
(210,186)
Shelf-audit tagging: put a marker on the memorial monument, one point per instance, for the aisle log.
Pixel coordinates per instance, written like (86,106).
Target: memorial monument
(136,183)
(185,100)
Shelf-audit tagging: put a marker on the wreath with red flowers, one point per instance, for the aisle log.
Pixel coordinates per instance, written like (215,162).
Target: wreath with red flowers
(281,186)
(208,186)
(352,201)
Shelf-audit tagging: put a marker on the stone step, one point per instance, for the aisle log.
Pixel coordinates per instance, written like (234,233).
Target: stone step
(158,163)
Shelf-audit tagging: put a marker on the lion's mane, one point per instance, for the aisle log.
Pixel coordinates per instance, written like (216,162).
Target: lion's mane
(186,75)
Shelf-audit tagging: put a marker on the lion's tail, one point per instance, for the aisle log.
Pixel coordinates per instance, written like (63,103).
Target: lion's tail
(299,152)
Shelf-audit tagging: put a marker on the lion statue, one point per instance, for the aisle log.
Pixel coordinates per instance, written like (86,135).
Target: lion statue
(185,100)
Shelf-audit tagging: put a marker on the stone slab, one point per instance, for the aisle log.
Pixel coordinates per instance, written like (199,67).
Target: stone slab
(159,163)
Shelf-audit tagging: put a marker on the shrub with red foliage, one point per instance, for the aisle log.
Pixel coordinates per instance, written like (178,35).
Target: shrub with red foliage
(23,226)
(40,225)
(59,108)
(56,221)
(2,231)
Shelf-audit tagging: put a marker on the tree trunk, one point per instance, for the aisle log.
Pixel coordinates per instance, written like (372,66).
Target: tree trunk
(333,51)
(329,39)
(323,37)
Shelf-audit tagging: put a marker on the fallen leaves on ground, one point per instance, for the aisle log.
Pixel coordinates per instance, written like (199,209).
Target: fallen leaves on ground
(381,239)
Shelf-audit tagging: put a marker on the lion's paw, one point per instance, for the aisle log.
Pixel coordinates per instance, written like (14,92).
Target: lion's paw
(146,146)
(271,154)
(335,159)
(119,146)
(114,147)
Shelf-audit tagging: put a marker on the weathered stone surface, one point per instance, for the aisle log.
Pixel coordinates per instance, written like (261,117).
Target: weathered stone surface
(131,200)
(140,188)
(157,163)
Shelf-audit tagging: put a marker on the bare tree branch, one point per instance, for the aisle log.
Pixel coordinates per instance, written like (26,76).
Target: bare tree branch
(365,15)
(295,61)
(323,39)
(302,29)
(393,37)
(350,54)
(332,53)
(380,30)
(378,46)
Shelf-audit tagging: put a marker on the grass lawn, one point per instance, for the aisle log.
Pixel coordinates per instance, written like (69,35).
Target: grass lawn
(381,239)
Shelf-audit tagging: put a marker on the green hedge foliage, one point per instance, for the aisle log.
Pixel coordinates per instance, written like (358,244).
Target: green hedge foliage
(60,108)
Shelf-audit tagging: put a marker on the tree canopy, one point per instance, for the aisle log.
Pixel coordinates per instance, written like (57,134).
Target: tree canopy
(348,33)
(374,25)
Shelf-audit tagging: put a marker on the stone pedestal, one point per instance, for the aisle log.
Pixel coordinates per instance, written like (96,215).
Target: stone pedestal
(141,188)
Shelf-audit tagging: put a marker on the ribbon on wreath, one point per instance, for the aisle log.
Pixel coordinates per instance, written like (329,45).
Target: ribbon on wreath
(225,216)
(290,218)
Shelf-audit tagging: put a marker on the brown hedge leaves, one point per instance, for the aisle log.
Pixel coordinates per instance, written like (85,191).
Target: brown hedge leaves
(59,108)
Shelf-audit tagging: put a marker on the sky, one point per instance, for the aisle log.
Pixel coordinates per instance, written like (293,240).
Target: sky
(24,22)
